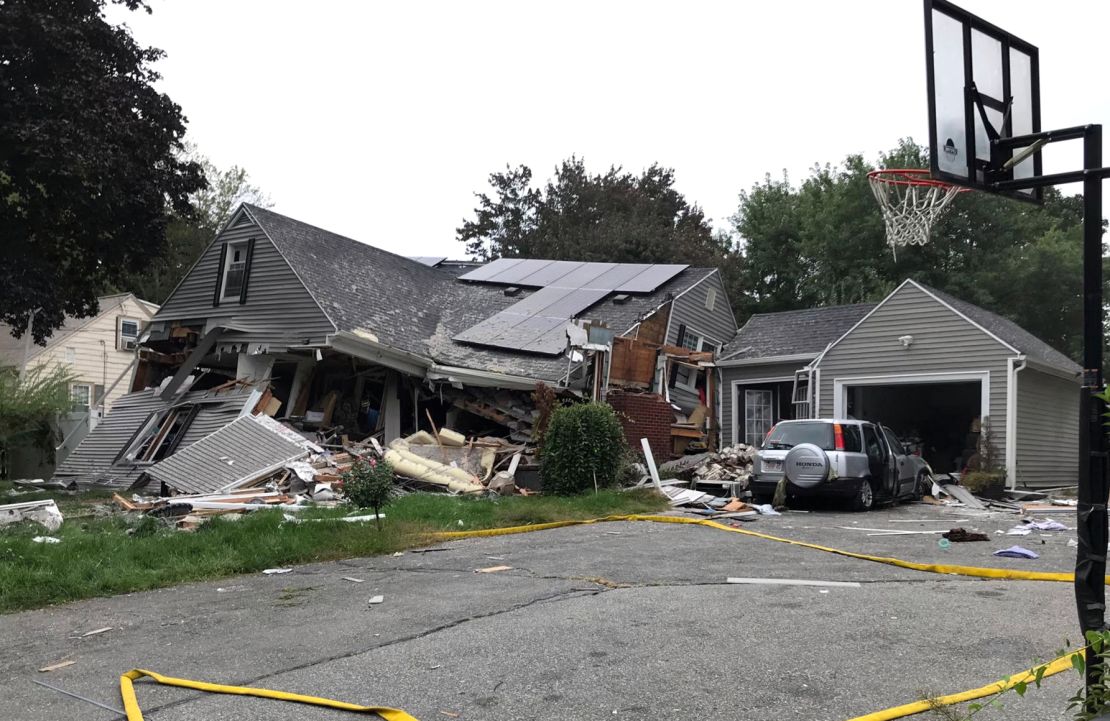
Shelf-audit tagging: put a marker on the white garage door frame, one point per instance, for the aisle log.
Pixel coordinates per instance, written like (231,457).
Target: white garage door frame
(841,386)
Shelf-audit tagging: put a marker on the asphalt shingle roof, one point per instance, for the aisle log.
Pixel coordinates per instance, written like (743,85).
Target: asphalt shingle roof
(418,308)
(793,332)
(1009,331)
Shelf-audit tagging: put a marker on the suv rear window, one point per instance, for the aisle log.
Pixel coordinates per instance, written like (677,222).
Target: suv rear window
(788,435)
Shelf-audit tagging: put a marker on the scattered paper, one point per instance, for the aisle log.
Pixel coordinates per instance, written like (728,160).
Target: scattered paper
(274,571)
(398,553)
(352,579)
(1019,531)
(1072,543)
(375,600)
(1016,552)
(767,510)
(56,666)
(493,569)
(46,539)
(96,631)
(1047,525)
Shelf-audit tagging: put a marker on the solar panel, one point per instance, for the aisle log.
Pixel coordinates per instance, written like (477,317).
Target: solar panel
(566,288)
(491,269)
(652,278)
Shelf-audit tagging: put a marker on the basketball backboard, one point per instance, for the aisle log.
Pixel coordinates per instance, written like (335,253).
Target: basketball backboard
(983,83)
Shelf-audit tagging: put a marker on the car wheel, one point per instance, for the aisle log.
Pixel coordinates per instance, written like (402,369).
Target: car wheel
(864,499)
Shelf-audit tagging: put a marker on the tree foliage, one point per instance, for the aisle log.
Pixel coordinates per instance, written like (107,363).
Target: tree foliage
(90,159)
(30,404)
(614,216)
(822,242)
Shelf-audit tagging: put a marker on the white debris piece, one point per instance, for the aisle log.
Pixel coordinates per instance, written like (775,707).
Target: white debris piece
(43,512)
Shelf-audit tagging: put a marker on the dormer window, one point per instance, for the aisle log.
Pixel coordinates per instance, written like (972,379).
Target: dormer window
(235,271)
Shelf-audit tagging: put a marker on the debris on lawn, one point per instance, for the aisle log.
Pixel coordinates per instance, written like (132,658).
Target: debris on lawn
(56,666)
(276,571)
(46,539)
(375,600)
(730,468)
(45,513)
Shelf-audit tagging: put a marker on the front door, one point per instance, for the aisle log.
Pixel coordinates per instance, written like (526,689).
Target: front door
(759,414)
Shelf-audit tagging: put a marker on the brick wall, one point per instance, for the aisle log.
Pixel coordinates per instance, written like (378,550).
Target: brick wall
(644,415)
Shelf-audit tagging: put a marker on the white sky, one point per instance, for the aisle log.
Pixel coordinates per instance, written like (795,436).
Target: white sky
(380,120)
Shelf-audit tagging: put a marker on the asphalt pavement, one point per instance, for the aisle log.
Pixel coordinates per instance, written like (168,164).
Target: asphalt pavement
(628,620)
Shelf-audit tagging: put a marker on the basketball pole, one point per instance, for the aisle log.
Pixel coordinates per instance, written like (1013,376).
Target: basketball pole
(1091,514)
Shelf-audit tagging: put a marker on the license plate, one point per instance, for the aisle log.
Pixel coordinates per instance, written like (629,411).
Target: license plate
(772,465)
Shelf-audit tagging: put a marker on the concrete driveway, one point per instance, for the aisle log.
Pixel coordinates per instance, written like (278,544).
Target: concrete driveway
(615,620)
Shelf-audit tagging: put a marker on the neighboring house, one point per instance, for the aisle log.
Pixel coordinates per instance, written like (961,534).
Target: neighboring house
(100,350)
(927,364)
(345,334)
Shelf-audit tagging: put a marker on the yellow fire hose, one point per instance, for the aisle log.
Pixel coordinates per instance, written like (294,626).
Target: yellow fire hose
(131,705)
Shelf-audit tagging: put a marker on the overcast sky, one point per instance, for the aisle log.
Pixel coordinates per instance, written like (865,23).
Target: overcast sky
(380,120)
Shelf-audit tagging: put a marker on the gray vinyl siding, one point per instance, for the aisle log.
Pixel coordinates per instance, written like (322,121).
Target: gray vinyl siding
(717,326)
(279,310)
(943,342)
(746,373)
(1047,430)
(101,446)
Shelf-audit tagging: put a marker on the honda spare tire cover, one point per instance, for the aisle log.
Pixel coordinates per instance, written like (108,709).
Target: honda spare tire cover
(806,465)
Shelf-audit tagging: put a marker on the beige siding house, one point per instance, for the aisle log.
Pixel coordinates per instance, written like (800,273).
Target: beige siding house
(99,349)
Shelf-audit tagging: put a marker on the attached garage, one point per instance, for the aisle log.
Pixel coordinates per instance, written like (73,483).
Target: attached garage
(932,367)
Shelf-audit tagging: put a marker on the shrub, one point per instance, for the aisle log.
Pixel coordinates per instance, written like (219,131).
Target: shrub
(583,445)
(369,484)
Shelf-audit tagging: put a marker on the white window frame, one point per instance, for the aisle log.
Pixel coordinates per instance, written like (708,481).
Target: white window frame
(229,260)
(71,355)
(770,406)
(124,342)
(88,395)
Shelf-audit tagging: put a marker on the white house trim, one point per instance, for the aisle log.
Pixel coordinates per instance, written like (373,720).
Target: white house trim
(840,387)
(1012,370)
(797,357)
(736,404)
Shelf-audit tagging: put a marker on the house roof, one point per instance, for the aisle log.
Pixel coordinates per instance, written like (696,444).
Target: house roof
(419,308)
(11,348)
(801,332)
(793,332)
(1006,330)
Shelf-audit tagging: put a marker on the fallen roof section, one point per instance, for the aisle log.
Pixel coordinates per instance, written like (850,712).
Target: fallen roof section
(233,456)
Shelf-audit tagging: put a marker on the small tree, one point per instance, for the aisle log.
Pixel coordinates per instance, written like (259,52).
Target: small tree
(369,484)
(583,448)
(30,407)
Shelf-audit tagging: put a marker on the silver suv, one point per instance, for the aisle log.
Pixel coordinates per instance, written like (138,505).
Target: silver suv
(859,460)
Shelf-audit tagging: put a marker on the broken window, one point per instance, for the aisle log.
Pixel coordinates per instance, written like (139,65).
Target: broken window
(160,435)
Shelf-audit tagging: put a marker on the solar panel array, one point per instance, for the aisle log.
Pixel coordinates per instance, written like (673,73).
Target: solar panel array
(537,323)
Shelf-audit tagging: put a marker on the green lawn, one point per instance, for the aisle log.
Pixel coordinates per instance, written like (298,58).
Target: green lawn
(99,557)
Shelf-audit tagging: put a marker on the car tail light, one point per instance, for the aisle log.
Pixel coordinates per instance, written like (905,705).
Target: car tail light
(838,436)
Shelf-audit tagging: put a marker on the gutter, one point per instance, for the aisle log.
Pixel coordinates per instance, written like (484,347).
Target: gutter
(485,379)
(1012,369)
(765,360)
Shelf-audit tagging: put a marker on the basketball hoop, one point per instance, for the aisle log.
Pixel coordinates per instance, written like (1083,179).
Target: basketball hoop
(911,201)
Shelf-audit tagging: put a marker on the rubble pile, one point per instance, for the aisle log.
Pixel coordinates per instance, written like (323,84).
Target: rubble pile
(731,463)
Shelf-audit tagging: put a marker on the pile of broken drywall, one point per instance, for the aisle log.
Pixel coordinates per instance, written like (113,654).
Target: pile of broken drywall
(447,460)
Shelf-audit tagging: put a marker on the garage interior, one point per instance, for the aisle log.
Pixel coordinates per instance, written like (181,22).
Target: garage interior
(936,420)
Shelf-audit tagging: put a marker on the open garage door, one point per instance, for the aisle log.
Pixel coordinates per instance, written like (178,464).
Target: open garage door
(938,420)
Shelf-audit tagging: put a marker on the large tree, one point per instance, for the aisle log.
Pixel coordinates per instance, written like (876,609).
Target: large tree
(187,235)
(91,161)
(615,216)
(822,243)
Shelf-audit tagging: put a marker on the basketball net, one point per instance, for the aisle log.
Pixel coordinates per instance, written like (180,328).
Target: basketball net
(911,203)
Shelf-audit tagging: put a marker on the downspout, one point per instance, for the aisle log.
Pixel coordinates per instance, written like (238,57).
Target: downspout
(1012,369)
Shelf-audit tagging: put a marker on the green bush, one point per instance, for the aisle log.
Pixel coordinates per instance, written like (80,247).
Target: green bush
(583,445)
(369,484)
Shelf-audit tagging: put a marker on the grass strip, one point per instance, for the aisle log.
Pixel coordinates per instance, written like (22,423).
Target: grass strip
(105,556)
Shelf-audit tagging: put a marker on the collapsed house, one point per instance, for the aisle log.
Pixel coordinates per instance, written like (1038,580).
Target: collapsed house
(339,340)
